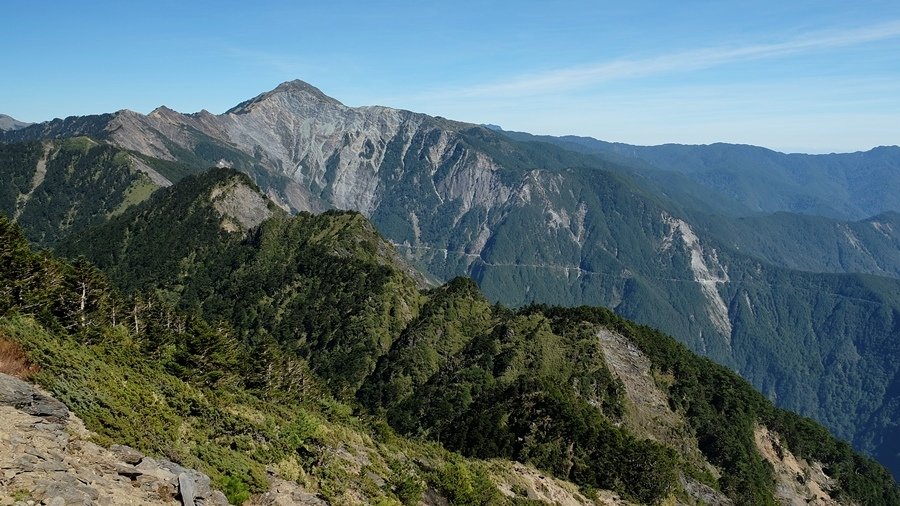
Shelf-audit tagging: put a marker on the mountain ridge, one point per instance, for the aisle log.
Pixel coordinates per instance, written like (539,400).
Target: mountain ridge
(451,368)
(730,169)
(458,199)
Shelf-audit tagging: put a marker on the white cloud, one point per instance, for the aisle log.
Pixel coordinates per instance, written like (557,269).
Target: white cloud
(585,76)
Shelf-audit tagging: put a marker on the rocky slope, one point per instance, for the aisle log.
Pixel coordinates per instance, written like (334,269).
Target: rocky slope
(48,457)
(844,186)
(797,480)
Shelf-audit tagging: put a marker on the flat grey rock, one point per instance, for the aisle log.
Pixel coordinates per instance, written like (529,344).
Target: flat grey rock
(26,398)
(186,489)
(127,454)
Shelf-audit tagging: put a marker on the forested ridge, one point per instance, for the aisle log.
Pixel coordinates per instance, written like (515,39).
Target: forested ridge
(306,320)
(57,188)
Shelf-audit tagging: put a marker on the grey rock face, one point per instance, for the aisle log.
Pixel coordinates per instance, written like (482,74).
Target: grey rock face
(127,454)
(285,493)
(240,206)
(46,451)
(344,157)
(25,397)
(186,489)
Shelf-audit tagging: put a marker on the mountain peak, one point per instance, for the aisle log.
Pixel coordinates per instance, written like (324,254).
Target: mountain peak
(296,88)
(10,123)
(298,85)
(162,111)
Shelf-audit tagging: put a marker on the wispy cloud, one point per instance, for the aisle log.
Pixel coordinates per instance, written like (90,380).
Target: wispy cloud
(698,59)
(281,63)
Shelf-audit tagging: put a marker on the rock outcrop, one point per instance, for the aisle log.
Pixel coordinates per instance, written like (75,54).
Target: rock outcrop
(286,493)
(47,457)
(31,401)
(797,480)
(240,206)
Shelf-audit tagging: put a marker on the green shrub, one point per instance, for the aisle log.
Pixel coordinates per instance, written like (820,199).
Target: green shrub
(464,486)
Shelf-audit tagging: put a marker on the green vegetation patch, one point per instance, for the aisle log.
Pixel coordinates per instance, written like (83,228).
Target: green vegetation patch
(139,191)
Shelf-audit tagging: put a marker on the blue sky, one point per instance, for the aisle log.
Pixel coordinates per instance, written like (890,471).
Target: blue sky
(812,76)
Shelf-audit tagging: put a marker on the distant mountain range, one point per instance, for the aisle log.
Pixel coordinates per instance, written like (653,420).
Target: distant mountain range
(672,236)
(847,186)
